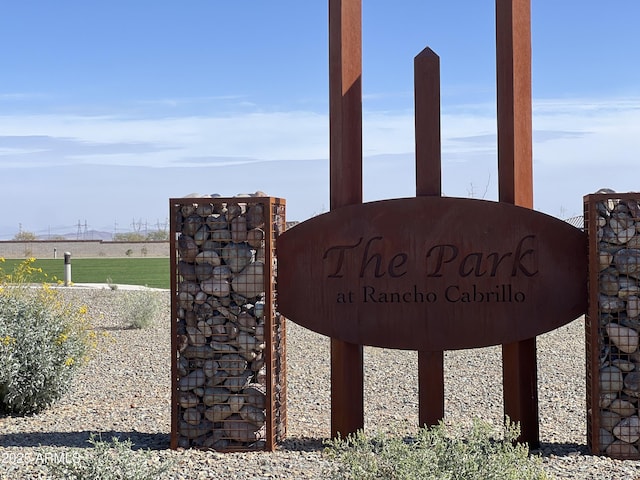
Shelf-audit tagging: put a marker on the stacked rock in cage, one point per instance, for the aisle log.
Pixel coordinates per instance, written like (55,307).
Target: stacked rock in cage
(228,339)
(615,317)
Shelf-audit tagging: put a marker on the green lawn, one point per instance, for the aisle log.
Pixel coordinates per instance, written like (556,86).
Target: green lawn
(152,272)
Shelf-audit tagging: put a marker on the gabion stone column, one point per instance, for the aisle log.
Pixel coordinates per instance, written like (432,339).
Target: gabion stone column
(228,340)
(613,324)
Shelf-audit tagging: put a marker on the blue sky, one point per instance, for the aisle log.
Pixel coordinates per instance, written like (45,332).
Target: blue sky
(108,109)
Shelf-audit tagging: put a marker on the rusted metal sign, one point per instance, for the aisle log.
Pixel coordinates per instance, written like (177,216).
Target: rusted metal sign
(431,273)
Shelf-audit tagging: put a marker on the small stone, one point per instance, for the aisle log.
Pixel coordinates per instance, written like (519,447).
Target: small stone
(217,222)
(620,449)
(608,419)
(187,248)
(203,352)
(218,413)
(235,210)
(627,261)
(191,225)
(628,288)
(216,440)
(255,216)
(191,416)
(215,395)
(187,399)
(223,272)
(624,365)
(610,379)
(222,236)
(221,347)
(188,210)
(628,429)
(204,209)
(606,439)
(255,395)
(623,407)
(608,284)
(625,338)
(241,431)
(193,431)
(606,399)
(633,307)
(183,366)
(239,229)
(183,343)
(200,298)
(187,271)
(202,235)
(250,281)
(210,367)
(236,384)
(237,256)
(205,328)
(254,415)
(605,260)
(233,364)
(632,381)
(195,336)
(193,380)
(621,222)
(625,236)
(208,256)
(236,402)
(216,286)
(247,320)
(609,304)
(255,237)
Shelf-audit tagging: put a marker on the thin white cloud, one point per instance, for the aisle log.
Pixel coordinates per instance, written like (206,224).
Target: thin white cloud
(572,132)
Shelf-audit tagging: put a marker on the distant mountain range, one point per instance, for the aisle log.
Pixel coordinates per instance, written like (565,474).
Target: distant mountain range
(88,235)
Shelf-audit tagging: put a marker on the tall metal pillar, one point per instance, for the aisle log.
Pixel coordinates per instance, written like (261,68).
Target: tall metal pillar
(428,182)
(515,179)
(345,112)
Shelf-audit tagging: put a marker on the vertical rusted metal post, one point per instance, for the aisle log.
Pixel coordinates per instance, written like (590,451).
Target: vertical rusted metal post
(428,182)
(515,178)
(173,218)
(345,118)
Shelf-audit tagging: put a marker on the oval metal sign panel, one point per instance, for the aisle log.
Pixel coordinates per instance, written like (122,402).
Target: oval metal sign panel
(432,273)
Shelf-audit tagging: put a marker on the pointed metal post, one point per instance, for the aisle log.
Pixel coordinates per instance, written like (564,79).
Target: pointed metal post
(428,182)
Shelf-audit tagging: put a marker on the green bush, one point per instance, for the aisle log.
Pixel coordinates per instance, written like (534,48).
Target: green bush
(113,460)
(140,307)
(436,454)
(43,341)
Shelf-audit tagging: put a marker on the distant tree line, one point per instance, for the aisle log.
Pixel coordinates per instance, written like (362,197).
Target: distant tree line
(152,236)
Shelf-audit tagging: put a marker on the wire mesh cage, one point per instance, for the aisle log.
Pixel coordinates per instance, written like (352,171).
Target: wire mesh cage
(228,339)
(613,324)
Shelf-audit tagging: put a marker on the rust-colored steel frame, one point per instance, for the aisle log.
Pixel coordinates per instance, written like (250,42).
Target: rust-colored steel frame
(513,52)
(272,435)
(592,324)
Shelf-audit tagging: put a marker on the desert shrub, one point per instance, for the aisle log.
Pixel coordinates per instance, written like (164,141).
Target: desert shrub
(43,341)
(436,453)
(113,460)
(139,307)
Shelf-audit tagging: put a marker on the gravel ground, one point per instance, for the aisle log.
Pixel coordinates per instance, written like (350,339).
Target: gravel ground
(125,392)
